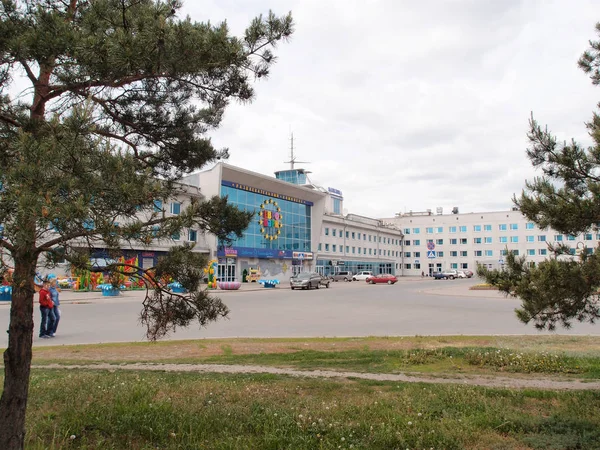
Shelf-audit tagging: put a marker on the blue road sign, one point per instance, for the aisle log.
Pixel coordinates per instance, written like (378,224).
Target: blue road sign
(431,254)
(430,246)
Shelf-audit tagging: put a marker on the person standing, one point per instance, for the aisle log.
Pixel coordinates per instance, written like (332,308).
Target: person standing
(54,290)
(46,310)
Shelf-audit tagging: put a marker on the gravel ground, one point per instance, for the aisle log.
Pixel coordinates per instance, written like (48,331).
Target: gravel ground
(487,381)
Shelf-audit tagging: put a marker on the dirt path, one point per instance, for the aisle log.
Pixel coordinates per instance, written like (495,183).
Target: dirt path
(488,381)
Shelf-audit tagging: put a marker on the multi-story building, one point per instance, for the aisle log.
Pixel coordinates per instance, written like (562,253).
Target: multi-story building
(434,242)
(299,226)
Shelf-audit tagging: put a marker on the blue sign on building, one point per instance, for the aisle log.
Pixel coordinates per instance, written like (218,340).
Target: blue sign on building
(248,252)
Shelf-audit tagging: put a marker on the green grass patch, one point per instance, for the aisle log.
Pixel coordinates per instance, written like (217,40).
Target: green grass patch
(148,410)
(551,355)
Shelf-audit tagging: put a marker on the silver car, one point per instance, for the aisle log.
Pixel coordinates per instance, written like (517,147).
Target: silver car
(342,275)
(306,280)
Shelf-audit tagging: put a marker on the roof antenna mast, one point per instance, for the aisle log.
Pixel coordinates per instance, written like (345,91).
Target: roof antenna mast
(292,160)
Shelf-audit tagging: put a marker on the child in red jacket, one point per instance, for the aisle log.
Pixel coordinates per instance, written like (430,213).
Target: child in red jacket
(46,309)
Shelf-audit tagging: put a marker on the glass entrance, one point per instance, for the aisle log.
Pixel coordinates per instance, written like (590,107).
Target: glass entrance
(226,272)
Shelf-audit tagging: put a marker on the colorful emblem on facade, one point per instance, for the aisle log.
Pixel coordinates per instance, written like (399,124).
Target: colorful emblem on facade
(270,219)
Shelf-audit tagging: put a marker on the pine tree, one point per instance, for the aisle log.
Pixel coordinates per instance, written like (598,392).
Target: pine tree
(566,198)
(121,96)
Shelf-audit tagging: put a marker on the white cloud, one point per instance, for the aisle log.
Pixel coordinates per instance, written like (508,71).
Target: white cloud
(412,105)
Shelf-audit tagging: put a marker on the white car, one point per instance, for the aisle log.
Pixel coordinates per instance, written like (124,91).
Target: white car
(461,274)
(362,276)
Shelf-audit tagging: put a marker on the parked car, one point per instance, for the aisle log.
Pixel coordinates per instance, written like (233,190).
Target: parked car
(446,275)
(342,275)
(468,273)
(462,274)
(306,280)
(382,278)
(361,276)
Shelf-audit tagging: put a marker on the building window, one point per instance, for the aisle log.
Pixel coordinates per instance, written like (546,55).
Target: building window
(515,252)
(570,237)
(406,242)
(502,227)
(326,247)
(429,230)
(503,239)
(529,226)
(319,247)
(487,228)
(478,252)
(489,253)
(407,254)
(347,249)
(464,265)
(175,208)
(440,254)
(440,229)
(326,231)
(477,228)
(333,247)
(452,229)
(369,238)
(542,251)
(487,240)
(453,254)
(337,206)
(417,254)
(341,234)
(514,226)
(514,239)
(364,237)
(463,253)
(157,205)
(463,241)
(541,238)
(477,240)
(416,230)
(439,241)
(192,235)
(370,251)
(454,265)
(463,228)
(530,252)
(176,236)
(453,241)
(417,265)
(359,250)
(558,238)
(588,237)
(333,233)
(417,242)
(407,231)
(530,238)
(407,266)
(354,235)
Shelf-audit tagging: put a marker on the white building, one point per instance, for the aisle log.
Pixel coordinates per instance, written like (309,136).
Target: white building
(434,242)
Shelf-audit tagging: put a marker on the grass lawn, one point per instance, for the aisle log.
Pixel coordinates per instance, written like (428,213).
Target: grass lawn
(113,409)
(562,356)
(148,410)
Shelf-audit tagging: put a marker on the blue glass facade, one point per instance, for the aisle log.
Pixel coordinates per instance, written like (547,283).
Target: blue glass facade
(281,224)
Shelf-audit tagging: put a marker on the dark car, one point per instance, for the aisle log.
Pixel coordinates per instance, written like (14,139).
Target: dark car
(382,278)
(306,280)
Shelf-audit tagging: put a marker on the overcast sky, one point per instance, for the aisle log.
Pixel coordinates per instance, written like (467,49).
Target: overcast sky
(406,105)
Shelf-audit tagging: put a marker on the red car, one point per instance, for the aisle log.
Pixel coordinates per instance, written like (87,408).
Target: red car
(382,278)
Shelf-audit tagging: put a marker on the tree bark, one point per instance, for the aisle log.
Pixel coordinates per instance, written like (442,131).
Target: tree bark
(17,357)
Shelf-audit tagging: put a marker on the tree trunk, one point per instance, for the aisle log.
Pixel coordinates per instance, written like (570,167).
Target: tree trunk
(17,357)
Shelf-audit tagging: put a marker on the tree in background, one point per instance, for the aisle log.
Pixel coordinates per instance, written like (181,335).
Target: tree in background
(566,198)
(119,98)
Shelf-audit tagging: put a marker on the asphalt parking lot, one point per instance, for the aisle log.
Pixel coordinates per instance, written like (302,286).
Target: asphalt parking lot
(410,307)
